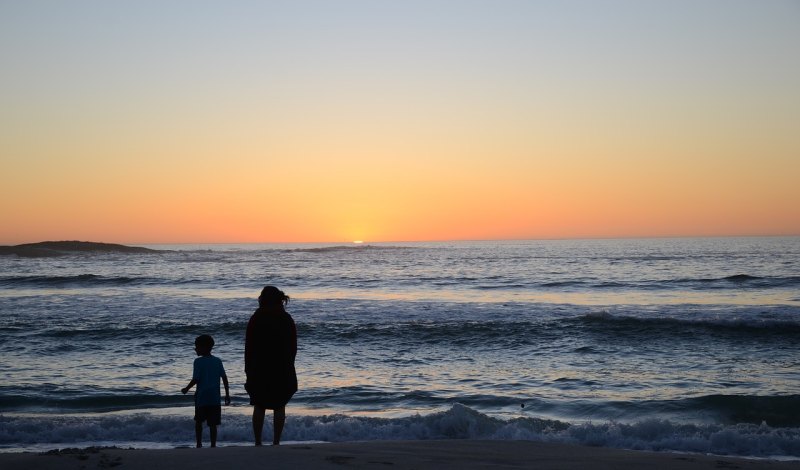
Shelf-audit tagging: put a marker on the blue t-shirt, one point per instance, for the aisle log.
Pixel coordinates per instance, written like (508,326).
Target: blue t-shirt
(207,373)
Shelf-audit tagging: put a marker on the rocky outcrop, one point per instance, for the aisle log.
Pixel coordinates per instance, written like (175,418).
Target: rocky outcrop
(60,248)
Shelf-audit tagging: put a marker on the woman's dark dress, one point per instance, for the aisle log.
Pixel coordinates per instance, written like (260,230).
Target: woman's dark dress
(269,350)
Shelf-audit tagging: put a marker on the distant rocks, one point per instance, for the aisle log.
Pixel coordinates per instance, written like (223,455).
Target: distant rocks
(61,248)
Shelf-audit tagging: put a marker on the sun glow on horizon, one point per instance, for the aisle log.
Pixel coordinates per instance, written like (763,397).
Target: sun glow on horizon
(393,121)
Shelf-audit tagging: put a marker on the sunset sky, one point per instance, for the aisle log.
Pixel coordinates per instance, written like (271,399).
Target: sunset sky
(328,121)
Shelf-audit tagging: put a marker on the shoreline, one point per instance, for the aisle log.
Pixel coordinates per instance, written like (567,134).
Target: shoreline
(428,454)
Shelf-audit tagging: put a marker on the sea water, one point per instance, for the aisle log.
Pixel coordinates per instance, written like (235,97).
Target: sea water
(658,344)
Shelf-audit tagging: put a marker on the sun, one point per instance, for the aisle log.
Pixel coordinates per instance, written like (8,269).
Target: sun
(358,242)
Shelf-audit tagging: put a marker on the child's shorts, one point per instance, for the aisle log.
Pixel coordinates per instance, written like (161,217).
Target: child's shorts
(211,414)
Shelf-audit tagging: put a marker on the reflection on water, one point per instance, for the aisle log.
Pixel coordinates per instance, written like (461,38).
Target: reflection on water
(574,298)
(773,297)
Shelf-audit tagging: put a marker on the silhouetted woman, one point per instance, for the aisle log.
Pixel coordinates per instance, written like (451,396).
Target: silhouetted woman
(269,351)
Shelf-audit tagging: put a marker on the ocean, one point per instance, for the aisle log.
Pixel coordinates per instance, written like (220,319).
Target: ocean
(658,344)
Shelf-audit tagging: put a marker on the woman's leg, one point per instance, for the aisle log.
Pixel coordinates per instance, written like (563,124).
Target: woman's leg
(278,420)
(212,429)
(258,422)
(198,433)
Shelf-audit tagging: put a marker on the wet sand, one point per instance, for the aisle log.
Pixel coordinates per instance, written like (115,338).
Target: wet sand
(449,454)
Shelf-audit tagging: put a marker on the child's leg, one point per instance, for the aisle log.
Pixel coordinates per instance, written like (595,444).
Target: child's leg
(198,432)
(278,420)
(258,422)
(212,429)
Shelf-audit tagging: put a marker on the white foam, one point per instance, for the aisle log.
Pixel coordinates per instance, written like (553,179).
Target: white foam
(459,422)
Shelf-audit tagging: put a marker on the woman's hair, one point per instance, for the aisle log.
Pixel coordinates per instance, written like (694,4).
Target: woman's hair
(271,295)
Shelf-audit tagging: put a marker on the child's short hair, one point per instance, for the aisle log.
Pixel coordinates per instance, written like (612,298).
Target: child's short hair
(204,341)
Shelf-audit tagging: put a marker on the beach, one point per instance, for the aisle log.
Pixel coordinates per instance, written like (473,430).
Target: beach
(439,454)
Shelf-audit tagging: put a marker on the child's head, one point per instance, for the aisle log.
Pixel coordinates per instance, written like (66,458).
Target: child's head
(203,344)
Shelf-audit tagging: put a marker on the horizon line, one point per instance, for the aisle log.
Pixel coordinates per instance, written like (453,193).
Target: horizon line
(367,242)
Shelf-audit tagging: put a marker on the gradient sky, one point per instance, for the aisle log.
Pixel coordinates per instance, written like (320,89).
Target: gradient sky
(328,121)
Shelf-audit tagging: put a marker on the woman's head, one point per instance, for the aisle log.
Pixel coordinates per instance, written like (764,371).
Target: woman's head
(271,296)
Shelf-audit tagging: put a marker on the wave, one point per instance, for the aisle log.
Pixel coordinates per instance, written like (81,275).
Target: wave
(83,280)
(788,325)
(741,281)
(92,402)
(778,411)
(217,279)
(736,281)
(502,326)
(455,333)
(516,331)
(458,422)
(96,280)
(122,332)
(741,278)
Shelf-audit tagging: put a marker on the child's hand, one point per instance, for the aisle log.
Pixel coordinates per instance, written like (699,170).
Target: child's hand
(227,400)
(184,390)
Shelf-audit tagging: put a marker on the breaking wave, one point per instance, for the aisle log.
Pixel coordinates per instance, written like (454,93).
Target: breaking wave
(459,422)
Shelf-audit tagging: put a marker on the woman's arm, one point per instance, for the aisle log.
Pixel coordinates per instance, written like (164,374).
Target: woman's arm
(248,345)
(293,341)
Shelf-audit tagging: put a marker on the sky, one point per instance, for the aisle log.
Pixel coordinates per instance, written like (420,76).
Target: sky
(330,121)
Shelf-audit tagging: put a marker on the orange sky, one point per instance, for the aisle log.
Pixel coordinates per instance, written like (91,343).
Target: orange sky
(276,123)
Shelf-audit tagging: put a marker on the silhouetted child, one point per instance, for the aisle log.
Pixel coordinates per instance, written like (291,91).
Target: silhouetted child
(208,370)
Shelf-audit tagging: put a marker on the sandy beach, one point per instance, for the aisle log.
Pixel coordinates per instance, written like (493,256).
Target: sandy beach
(449,454)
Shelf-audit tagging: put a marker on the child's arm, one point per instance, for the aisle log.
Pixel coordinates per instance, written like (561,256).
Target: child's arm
(192,383)
(227,390)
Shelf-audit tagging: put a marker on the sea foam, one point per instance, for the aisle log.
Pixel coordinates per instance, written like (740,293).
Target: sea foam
(459,422)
